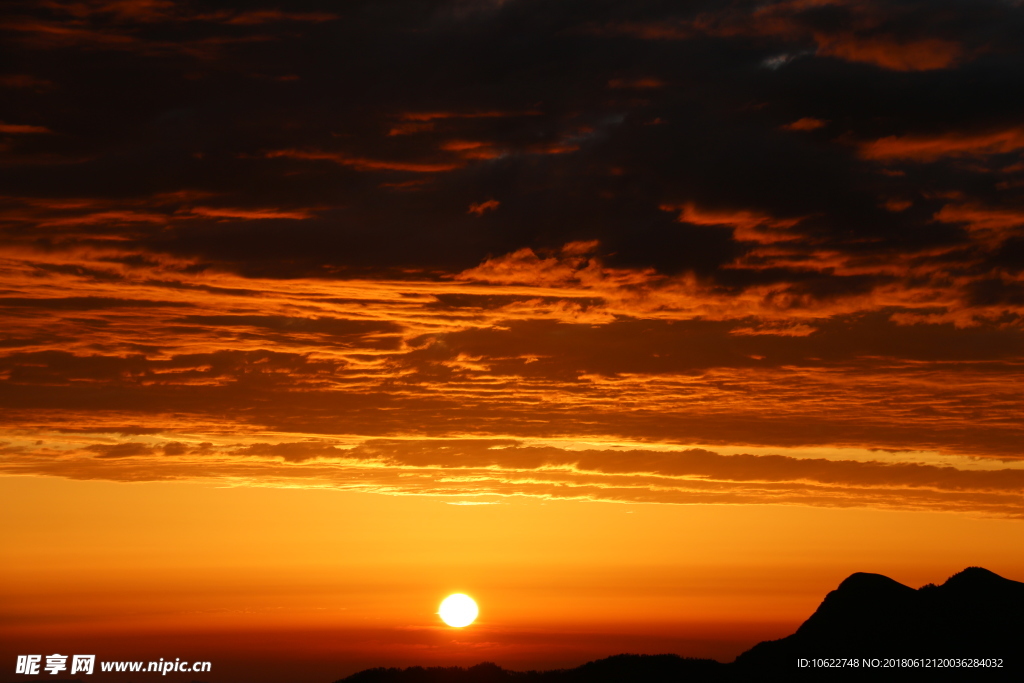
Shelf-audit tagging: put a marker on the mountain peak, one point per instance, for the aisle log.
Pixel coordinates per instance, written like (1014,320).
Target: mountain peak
(860,582)
(975,613)
(976,577)
(859,601)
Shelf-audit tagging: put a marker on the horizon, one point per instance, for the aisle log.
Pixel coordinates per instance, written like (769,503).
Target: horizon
(643,324)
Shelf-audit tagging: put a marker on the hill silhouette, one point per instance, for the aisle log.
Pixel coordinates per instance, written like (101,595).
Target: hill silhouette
(610,670)
(871,619)
(975,614)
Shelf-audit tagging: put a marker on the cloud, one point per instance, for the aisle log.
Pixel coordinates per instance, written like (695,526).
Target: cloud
(916,55)
(984,221)
(749,226)
(481,208)
(858,32)
(452,468)
(362,164)
(166,11)
(526,267)
(806,123)
(301,235)
(20,129)
(120,450)
(145,27)
(931,148)
(249,214)
(80,303)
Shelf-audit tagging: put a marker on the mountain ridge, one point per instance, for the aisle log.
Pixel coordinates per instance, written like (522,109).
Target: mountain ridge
(876,627)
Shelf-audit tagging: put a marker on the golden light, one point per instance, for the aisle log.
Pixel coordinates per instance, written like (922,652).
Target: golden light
(458,610)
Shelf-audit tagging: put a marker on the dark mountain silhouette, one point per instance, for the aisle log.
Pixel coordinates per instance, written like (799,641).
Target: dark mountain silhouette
(611,670)
(976,614)
(880,623)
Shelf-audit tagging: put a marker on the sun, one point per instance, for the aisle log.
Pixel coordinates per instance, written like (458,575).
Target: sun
(458,610)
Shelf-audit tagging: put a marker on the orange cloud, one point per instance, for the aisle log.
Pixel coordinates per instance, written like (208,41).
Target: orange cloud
(898,205)
(14,129)
(363,164)
(930,148)
(622,291)
(249,214)
(524,266)
(777,327)
(153,11)
(472,149)
(981,218)
(105,217)
(512,346)
(553,148)
(749,226)
(886,52)
(806,123)
(113,24)
(483,207)
(866,42)
(74,219)
(580,248)
(507,467)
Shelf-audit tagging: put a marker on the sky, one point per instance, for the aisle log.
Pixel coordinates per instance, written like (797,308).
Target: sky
(645,323)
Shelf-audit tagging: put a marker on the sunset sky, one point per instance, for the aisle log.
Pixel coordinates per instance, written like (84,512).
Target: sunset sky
(644,323)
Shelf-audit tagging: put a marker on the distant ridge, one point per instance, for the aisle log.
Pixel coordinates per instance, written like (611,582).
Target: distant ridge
(892,631)
(975,614)
(610,670)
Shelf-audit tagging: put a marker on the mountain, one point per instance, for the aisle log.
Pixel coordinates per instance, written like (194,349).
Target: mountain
(976,614)
(880,629)
(654,668)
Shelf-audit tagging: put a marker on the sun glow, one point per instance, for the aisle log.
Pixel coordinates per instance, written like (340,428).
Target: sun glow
(458,610)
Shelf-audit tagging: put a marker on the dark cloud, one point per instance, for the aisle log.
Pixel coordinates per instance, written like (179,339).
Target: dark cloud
(770,224)
(121,450)
(82,303)
(329,326)
(537,82)
(292,452)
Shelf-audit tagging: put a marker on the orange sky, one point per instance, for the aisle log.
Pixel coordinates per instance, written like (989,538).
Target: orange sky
(644,325)
(330,581)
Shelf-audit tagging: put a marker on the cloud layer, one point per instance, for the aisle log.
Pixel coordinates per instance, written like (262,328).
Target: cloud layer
(738,225)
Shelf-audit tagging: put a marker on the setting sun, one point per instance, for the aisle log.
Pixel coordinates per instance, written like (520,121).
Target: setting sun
(458,610)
